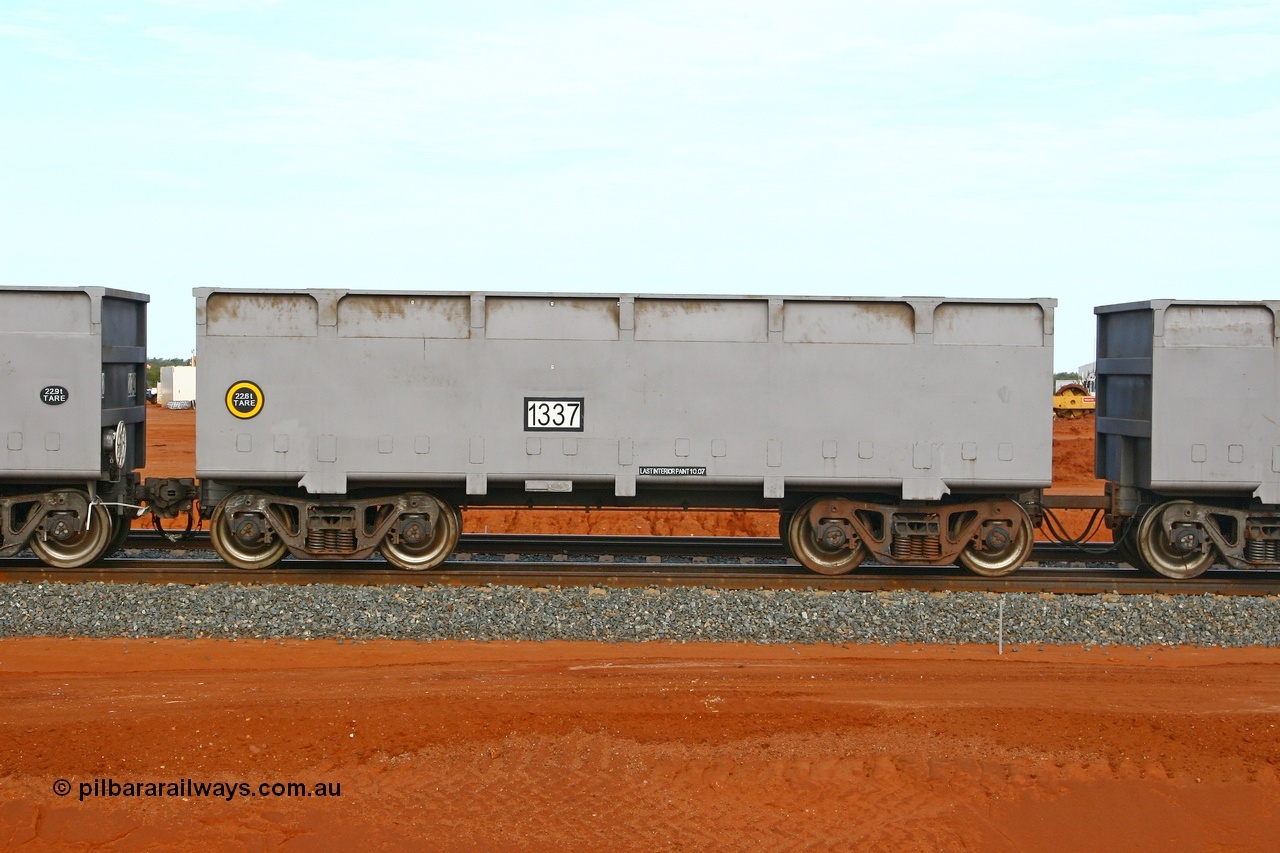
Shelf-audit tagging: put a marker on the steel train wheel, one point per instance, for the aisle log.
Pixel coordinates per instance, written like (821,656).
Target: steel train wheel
(119,534)
(993,564)
(1126,544)
(235,552)
(80,550)
(784,532)
(816,556)
(1160,555)
(437,547)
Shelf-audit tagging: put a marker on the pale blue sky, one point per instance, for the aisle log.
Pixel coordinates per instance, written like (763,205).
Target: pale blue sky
(1095,152)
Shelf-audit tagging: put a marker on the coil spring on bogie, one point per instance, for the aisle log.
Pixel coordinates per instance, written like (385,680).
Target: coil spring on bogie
(331,541)
(1262,550)
(916,547)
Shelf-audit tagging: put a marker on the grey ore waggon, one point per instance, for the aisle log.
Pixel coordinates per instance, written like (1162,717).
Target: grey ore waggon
(72,419)
(912,431)
(1188,433)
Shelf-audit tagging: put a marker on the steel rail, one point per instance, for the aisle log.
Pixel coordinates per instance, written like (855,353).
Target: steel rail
(565,573)
(533,543)
(621,546)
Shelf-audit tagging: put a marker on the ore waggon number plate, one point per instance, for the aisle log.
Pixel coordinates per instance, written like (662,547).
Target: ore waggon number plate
(553,414)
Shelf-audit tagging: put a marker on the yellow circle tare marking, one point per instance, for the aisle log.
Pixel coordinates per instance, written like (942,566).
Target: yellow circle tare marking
(244,399)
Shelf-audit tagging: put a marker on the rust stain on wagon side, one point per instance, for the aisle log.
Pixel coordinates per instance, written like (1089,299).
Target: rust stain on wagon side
(287,314)
(409,315)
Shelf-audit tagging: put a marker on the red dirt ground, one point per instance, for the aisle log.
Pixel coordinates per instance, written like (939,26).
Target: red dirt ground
(577,746)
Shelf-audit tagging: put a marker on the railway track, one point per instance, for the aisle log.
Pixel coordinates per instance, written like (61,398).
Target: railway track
(692,547)
(634,561)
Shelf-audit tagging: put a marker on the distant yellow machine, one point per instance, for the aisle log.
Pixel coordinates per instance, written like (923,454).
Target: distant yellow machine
(1074,401)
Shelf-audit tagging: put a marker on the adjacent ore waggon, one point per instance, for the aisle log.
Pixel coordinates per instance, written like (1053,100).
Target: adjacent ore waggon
(913,431)
(72,420)
(1187,435)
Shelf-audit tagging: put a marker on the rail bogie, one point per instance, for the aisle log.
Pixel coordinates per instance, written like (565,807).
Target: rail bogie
(73,379)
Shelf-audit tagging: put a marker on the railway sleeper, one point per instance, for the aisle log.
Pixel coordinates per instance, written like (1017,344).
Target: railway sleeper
(414,530)
(833,535)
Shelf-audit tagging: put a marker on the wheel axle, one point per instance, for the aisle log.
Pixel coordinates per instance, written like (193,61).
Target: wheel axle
(414,530)
(1189,540)
(832,536)
(996,538)
(248,529)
